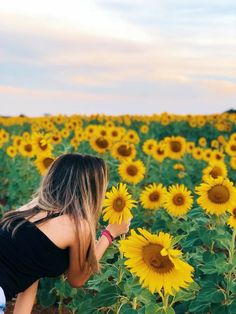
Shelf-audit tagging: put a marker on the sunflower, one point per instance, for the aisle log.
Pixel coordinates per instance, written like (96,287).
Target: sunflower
(90,131)
(43,162)
(159,152)
(114,133)
(131,136)
(189,147)
(216,196)
(215,169)
(217,155)
(100,144)
(230,148)
(118,204)
(152,196)
(202,141)
(153,259)
(233,162)
(197,153)
(207,154)
(11,151)
(179,166)
(41,143)
(123,150)
(178,200)
(232,219)
(26,148)
(176,146)
(132,171)
(148,146)
(144,129)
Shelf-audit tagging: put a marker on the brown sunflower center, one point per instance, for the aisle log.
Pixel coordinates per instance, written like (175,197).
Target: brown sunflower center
(28,148)
(47,162)
(150,146)
(114,133)
(160,151)
(154,196)
(178,199)
(102,142)
(234,212)
(42,145)
(233,147)
(215,172)
(152,257)
(119,204)
(219,194)
(175,146)
(132,170)
(123,150)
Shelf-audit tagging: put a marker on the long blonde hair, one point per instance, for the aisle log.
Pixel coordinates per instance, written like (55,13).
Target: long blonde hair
(75,184)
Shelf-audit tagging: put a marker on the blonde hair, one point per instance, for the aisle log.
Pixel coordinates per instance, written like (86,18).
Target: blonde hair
(75,184)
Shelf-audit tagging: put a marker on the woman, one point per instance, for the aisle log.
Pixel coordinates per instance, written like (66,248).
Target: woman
(56,232)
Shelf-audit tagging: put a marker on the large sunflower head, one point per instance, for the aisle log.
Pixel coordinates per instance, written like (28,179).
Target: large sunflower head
(152,258)
(216,196)
(117,205)
(152,196)
(100,144)
(132,171)
(43,162)
(178,200)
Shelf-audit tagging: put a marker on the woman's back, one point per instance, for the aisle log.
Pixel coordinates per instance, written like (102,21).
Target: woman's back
(34,252)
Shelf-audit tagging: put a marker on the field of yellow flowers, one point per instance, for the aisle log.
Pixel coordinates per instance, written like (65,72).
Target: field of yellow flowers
(174,175)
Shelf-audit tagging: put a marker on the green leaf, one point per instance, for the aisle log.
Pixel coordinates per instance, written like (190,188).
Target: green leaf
(152,308)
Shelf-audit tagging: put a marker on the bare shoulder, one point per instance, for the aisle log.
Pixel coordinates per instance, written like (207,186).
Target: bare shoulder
(68,223)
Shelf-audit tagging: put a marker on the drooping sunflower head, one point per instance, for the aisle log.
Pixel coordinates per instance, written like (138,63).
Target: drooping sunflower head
(178,200)
(216,196)
(152,196)
(117,205)
(152,258)
(132,171)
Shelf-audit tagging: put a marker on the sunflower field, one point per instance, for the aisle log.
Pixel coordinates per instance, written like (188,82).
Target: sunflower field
(174,175)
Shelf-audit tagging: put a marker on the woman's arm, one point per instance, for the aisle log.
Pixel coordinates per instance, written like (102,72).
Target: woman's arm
(25,300)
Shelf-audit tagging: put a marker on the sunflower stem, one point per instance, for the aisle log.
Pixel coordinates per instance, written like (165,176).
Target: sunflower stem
(231,256)
(134,303)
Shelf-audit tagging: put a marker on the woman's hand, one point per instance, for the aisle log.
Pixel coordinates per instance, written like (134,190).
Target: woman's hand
(118,229)
(25,300)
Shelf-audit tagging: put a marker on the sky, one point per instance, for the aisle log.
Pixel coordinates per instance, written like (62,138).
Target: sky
(117,56)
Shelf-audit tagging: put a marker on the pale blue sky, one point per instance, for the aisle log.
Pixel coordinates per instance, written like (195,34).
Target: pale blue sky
(117,57)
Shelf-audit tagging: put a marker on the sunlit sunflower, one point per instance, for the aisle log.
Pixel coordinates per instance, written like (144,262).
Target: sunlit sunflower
(159,152)
(217,155)
(215,169)
(230,148)
(233,163)
(11,151)
(144,129)
(176,146)
(123,150)
(216,196)
(26,148)
(153,259)
(202,141)
(115,133)
(43,162)
(189,147)
(117,205)
(132,171)
(148,146)
(152,196)
(178,200)
(100,144)
(41,143)
(207,153)
(197,153)
(232,219)
(131,136)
